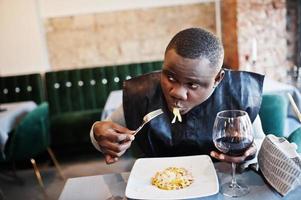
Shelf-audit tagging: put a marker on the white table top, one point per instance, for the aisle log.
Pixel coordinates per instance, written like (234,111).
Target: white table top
(11,116)
(104,186)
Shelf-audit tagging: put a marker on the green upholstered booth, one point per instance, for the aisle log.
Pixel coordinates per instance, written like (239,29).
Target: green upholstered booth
(22,88)
(273,113)
(77,97)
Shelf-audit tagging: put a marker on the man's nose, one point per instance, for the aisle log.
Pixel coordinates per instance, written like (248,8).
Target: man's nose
(179,92)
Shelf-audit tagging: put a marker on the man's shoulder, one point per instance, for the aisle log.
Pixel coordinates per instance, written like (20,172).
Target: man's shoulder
(236,73)
(138,94)
(142,84)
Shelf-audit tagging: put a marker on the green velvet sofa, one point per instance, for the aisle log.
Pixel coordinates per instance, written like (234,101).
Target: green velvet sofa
(22,88)
(77,97)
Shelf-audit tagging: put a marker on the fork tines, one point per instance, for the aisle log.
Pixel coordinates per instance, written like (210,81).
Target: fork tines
(154,113)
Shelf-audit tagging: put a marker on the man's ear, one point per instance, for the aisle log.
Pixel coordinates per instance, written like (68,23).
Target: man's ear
(219,77)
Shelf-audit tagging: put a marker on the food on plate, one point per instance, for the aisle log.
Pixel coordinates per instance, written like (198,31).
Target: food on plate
(172,178)
(176,112)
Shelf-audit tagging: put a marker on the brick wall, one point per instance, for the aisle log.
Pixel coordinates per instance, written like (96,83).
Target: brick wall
(120,37)
(264,21)
(141,35)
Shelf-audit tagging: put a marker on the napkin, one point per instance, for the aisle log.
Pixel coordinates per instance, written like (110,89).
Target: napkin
(280,164)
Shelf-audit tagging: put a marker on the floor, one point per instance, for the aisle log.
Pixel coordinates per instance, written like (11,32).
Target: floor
(83,165)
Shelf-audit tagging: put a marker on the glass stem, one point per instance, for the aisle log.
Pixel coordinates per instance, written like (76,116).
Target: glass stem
(233,181)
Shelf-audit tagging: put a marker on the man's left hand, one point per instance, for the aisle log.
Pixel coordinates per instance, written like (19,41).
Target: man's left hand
(250,152)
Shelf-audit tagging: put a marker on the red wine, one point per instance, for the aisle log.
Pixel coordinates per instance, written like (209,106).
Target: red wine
(233,146)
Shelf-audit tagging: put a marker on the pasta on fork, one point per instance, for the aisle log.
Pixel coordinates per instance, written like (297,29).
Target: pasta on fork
(176,112)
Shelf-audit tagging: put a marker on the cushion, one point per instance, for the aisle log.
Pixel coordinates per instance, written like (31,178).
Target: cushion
(295,137)
(73,127)
(273,113)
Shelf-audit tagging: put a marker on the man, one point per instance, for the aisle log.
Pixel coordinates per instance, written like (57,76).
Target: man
(191,81)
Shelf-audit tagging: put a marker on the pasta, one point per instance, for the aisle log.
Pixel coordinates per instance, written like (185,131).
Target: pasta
(176,112)
(172,178)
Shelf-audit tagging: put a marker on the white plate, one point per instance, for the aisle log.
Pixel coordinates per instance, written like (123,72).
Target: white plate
(205,179)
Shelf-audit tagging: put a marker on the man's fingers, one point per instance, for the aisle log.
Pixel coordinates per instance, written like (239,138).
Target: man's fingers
(110,159)
(251,151)
(226,158)
(120,129)
(111,131)
(119,137)
(217,155)
(112,139)
(116,147)
(115,154)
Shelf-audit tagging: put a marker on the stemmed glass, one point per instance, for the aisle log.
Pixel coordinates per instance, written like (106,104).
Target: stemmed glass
(118,190)
(232,135)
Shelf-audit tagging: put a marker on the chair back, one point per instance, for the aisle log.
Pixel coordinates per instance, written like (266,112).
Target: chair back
(273,113)
(31,136)
(295,137)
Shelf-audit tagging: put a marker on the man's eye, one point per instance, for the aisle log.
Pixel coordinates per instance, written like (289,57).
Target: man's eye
(193,86)
(170,78)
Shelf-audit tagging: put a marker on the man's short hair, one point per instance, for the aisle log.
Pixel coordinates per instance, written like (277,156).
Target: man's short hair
(197,43)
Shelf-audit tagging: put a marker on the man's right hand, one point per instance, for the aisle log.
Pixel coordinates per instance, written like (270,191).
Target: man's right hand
(112,139)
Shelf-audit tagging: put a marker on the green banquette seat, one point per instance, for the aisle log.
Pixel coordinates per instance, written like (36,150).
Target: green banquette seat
(22,88)
(76,99)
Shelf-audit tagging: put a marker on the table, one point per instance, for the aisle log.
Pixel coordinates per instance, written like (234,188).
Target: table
(11,116)
(104,186)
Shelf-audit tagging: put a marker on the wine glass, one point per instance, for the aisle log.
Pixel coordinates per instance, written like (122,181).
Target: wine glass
(117,190)
(232,135)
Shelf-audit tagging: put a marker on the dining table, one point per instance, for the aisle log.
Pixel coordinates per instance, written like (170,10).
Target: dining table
(112,186)
(10,116)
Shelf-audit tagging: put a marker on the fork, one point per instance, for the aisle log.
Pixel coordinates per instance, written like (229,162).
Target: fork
(148,117)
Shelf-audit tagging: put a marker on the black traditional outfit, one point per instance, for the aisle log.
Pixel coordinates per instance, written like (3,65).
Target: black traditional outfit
(143,94)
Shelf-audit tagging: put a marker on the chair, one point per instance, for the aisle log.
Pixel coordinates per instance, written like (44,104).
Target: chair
(295,137)
(273,113)
(30,138)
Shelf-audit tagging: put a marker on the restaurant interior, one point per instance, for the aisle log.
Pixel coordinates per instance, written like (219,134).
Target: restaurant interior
(63,63)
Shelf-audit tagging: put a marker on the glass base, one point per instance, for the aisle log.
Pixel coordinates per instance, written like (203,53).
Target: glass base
(117,191)
(116,198)
(234,190)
